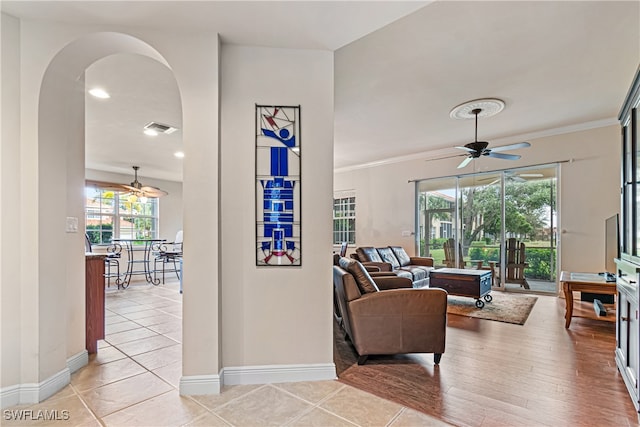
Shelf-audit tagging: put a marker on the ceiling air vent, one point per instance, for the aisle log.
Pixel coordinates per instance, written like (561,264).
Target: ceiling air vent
(160,128)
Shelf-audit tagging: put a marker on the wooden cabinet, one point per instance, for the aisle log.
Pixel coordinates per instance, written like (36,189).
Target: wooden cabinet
(94,296)
(628,266)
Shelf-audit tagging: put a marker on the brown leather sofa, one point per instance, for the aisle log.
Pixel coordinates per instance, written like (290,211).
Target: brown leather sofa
(385,315)
(396,260)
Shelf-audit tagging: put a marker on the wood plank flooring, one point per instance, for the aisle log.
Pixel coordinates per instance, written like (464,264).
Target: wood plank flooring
(500,374)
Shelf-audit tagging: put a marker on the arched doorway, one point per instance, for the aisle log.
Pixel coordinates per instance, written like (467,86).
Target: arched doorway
(58,194)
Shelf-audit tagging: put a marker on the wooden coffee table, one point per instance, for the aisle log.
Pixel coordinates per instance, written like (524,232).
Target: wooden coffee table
(584,282)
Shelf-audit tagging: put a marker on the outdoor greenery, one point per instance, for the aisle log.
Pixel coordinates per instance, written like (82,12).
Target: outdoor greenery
(527,207)
(93,231)
(538,258)
(135,217)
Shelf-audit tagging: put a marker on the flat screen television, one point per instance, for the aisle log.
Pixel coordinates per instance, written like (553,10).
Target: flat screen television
(612,244)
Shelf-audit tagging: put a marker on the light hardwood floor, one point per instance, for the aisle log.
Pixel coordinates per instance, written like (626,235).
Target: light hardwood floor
(499,374)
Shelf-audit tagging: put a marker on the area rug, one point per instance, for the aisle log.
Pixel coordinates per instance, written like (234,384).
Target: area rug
(504,307)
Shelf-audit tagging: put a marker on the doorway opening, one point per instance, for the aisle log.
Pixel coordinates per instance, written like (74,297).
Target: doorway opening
(505,221)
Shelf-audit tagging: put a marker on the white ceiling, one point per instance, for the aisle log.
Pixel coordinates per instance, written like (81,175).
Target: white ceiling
(400,68)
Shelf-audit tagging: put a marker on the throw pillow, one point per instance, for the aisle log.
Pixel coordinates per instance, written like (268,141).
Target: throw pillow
(368,253)
(401,254)
(388,256)
(357,270)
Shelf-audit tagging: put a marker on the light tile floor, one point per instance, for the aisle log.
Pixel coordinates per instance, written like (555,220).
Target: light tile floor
(133,381)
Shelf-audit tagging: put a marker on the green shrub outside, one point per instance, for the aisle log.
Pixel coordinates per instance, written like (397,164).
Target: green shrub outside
(93,231)
(539,259)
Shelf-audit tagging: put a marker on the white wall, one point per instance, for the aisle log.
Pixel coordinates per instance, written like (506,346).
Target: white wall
(276,315)
(10,203)
(589,193)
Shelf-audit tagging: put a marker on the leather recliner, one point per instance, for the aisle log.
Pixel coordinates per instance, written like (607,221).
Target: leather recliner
(386,315)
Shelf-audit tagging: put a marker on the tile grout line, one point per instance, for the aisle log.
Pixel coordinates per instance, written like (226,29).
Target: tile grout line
(86,405)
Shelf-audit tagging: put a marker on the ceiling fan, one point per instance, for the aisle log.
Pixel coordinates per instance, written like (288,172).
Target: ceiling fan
(477,148)
(137,189)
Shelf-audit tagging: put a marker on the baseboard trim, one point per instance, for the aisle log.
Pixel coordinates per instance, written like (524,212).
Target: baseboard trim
(78,361)
(34,392)
(278,373)
(199,384)
(9,396)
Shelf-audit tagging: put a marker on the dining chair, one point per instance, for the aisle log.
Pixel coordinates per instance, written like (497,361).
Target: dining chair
(111,260)
(170,252)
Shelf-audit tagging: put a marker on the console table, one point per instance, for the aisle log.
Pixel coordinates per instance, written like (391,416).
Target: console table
(584,282)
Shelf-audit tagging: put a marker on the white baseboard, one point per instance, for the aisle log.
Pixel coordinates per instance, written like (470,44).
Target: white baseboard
(199,384)
(78,361)
(10,396)
(278,373)
(34,392)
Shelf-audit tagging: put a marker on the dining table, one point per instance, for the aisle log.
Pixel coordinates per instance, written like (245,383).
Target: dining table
(139,257)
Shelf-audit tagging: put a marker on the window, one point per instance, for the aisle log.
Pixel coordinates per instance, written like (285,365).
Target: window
(344,218)
(110,214)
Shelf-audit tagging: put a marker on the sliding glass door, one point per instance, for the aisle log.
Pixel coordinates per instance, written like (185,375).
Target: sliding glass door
(504,221)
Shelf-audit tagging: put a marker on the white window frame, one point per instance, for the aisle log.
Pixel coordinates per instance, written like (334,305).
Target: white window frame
(117,212)
(344,217)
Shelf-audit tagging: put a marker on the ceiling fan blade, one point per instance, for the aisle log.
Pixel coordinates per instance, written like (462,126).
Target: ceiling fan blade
(511,147)
(106,185)
(465,162)
(502,156)
(153,191)
(461,147)
(445,157)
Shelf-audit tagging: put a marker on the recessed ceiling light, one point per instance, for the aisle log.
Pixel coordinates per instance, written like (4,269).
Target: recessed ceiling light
(179,154)
(99,93)
(150,132)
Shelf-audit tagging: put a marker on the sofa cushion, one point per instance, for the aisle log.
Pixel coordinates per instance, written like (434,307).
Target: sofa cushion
(368,253)
(388,256)
(403,273)
(401,254)
(416,272)
(357,270)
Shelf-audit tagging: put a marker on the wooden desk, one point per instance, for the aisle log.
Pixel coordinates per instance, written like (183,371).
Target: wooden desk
(584,282)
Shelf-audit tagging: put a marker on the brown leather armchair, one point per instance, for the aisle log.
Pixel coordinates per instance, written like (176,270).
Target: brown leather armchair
(391,318)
